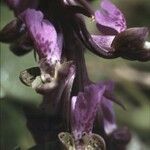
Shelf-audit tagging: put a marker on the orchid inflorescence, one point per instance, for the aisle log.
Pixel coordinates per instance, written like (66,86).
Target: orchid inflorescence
(75,111)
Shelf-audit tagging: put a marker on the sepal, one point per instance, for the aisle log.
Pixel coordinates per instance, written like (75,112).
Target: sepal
(22,46)
(130,44)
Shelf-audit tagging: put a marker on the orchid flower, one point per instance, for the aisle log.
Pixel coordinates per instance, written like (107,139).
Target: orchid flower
(54,75)
(116,38)
(83,113)
(57,33)
(85,108)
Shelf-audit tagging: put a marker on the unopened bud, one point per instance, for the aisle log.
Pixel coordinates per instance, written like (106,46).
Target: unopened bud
(130,44)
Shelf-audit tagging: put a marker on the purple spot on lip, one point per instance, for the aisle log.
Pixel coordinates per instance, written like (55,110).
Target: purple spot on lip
(117,13)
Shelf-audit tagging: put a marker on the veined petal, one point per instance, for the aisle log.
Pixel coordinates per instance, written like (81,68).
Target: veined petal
(103,40)
(110,19)
(19,6)
(43,34)
(84,109)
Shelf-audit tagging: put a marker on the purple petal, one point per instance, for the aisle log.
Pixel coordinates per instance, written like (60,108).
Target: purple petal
(106,106)
(109,86)
(43,34)
(110,20)
(103,40)
(108,116)
(84,108)
(19,6)
(109,92)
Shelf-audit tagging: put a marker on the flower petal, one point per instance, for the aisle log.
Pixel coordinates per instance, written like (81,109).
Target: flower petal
(110,19)
(109,92)
(106,106)
(84,108)
(103,40)
(108,116)
(43,34)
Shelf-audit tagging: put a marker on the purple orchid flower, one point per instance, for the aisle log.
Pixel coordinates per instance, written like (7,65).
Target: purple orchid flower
(87,105)
(55,75)
(47,42)
(84,109)
(116,38)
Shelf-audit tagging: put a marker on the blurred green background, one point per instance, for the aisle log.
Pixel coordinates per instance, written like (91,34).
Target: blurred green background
(132,84)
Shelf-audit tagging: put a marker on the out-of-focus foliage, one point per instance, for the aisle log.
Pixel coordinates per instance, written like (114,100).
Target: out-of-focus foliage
(132,84)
